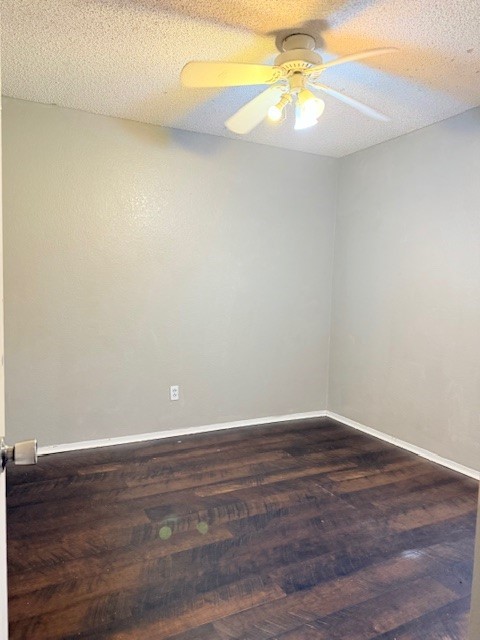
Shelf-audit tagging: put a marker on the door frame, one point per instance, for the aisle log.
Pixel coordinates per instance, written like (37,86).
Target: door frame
(3,562)
(3,512)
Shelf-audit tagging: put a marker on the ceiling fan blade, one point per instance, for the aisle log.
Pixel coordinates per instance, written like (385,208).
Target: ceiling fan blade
(252,113)
(352,57)
(359,106)
(228,74)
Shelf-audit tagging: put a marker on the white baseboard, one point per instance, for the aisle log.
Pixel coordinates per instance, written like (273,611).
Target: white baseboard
(174,433)
(433,457)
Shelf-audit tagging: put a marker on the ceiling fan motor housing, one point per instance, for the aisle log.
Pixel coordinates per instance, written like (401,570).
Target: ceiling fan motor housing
(298,53)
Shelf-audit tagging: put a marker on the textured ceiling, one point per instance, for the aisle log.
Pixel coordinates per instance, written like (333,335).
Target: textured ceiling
(123,58)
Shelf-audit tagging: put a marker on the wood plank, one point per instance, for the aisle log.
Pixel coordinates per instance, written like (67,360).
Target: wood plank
(367,620)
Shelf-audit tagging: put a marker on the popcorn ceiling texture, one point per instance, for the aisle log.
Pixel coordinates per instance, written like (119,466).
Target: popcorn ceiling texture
(123,58)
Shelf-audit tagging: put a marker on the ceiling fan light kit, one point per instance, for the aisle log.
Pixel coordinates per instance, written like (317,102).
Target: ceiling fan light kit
(295,72)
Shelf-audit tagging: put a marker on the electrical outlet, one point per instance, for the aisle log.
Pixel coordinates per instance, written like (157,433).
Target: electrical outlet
(174,392)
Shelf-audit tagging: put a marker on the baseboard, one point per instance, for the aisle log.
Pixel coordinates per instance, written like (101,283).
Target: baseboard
(175,433)
(433,457)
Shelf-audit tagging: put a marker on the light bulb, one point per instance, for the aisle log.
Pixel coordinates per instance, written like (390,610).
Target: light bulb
(308,109)
(276,112)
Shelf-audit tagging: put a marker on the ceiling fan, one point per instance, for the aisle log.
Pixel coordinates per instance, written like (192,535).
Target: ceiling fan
(296,71)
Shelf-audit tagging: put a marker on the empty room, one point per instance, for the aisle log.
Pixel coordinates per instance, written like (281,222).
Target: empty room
(240,386)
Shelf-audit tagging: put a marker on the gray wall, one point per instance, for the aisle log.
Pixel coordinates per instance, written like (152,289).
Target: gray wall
(406,313)
(137,258)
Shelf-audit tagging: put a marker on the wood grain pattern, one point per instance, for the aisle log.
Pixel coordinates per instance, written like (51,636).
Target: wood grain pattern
(296,531)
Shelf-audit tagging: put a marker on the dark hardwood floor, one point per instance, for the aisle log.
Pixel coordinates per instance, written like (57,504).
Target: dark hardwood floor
(298,531)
